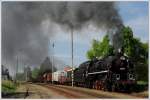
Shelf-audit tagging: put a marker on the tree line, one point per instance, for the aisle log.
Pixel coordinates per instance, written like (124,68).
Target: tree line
(36,73)
(133,48)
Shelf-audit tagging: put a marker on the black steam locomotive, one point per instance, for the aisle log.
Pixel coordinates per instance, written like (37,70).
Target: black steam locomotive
(112,73)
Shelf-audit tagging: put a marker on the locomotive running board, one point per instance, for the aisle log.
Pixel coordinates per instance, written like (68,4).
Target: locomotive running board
(98,72)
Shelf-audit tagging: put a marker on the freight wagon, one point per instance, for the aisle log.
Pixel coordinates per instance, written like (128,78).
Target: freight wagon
(59,77)
(62,76)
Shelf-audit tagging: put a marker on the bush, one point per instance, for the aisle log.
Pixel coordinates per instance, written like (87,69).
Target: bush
(141,86)
(8,86)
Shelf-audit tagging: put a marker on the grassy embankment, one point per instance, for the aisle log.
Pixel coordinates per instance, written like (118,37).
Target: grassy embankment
(8,87)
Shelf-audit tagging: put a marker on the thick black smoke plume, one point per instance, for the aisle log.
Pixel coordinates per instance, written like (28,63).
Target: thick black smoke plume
(21,24)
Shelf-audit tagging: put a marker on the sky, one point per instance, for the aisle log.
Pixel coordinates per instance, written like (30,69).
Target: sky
(133,14)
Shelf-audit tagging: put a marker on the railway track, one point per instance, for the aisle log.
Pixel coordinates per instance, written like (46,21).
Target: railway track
(68,92)
(78,92)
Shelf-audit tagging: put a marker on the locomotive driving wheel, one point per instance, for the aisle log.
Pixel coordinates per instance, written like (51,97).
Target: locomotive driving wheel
(99,85)
(104,86)
(95,84)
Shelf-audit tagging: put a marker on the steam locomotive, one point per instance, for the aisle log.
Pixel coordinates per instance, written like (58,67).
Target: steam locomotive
(112,73)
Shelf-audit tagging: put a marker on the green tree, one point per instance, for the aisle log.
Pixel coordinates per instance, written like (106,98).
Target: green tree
(90,54)
(35,73)
(100,49)
(128,43)
(106,48)
(133,48)
(137,51)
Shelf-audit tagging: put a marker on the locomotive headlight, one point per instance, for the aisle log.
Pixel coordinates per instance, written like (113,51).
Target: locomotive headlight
(117,76)
(130,77)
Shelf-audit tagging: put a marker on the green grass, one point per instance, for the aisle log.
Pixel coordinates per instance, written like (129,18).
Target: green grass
(142,82)
(8,86)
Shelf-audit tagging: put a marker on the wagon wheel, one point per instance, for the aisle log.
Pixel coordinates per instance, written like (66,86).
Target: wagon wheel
(100,85)
(95,85)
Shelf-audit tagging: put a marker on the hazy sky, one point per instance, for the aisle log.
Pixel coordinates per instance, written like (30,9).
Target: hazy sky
(133,14)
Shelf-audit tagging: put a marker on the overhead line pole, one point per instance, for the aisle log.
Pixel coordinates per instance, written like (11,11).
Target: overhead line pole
(17,68)
(51,57)
(53,63)
(72,55)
